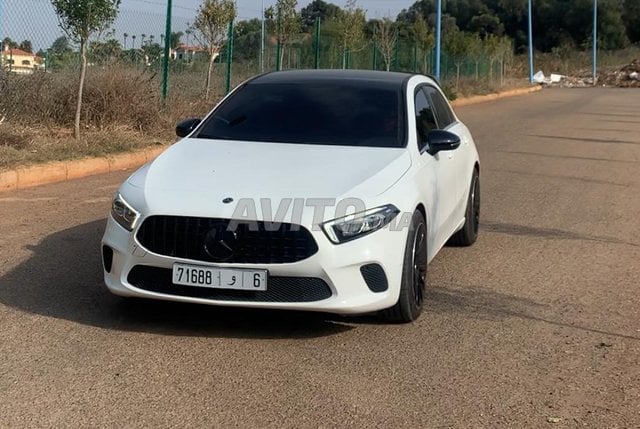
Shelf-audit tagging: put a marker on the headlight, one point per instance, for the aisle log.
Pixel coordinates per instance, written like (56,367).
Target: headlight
(123,213)
(359,224)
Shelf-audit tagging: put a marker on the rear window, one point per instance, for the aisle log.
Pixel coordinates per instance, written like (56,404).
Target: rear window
(348,113)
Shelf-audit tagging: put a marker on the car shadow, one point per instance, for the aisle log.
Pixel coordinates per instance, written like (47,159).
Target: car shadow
(63,279)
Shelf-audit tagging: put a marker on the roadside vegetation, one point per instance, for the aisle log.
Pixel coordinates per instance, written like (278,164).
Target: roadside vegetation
(116,105)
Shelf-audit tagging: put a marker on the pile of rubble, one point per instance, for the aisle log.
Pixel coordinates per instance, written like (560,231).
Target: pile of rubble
(625,77)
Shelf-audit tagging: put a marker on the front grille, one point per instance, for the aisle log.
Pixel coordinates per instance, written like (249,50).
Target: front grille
(375,278)
(252,243)
(279,289)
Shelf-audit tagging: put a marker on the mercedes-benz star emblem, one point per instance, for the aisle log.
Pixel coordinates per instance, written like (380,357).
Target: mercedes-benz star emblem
(220,243)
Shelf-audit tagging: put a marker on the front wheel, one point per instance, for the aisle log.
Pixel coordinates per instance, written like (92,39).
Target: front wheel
(469,232)
(414,275)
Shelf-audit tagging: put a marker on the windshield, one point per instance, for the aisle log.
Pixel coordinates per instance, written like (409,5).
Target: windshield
(332,112)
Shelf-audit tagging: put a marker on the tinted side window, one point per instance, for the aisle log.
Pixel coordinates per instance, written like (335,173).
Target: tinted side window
(425,119)
(443,111)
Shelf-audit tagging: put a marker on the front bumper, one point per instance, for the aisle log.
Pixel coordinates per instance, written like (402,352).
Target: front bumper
(339,266)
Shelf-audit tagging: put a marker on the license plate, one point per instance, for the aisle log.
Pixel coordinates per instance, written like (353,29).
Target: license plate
(219,278)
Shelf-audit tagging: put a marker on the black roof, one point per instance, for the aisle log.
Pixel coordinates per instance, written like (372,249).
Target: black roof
(302,76)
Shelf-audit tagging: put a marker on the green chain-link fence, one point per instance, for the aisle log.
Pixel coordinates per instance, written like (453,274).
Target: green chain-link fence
(33,41)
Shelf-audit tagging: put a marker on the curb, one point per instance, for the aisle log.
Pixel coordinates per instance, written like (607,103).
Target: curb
(60,171)
(491,97)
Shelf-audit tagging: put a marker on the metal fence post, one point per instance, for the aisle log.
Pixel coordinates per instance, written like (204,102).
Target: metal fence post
(317,44)
(375,48)
(530,31)
(167,54)
(278,47)
(229,56)
(438,37)
(1,39)
(396,48)
(595,41)
(262,31)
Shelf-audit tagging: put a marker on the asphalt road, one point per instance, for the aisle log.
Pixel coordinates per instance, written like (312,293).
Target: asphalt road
(537,325)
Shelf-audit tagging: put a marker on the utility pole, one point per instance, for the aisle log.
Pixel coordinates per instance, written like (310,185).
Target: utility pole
(595,41)
(530,31)
(438,37)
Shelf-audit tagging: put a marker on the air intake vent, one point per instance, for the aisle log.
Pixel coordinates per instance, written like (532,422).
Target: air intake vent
(375,278)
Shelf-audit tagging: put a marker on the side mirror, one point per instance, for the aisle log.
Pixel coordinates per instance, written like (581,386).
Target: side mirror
(439,140)
(185,127)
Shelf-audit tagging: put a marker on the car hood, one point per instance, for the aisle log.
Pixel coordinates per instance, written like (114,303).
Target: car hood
(215,169)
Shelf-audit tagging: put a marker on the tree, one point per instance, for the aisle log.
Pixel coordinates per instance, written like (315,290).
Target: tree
(457,46)
(492,51)
(486,24)
(246,39)
(612,32)
(133,41)
(60,54)
(79,20)
(317,9)
(351,23)
(424,38)
(386,37)
(475,51)
(286,23)
(152,52)
(505,55)
(175,39)
(631,18)
(126,36)
(7,42)
(210,28)
(101,52)
(26,46)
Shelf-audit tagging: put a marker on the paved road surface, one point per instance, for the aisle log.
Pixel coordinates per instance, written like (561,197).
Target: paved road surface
(540,320)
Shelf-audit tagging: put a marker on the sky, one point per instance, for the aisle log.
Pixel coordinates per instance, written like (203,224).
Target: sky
(36,21)
(251,8)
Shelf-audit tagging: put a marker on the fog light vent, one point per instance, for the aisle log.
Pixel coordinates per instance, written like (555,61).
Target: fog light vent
(107,258)
(375,278)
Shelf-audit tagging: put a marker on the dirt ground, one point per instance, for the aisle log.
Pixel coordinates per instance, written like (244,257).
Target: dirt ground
(537,325)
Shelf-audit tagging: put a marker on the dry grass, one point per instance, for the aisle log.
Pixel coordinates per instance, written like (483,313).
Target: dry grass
(122,111)
(468,87)
(29,145)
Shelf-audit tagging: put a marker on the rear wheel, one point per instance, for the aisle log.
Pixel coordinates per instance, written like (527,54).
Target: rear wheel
(414,275)
(469,232)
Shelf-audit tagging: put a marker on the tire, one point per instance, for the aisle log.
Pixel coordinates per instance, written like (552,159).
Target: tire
(414,275)
(469,232)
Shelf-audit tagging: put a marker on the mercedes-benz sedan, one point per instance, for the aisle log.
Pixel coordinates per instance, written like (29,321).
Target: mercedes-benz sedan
(309,190)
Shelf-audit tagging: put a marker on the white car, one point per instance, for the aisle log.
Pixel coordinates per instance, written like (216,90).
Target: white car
(309,190)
